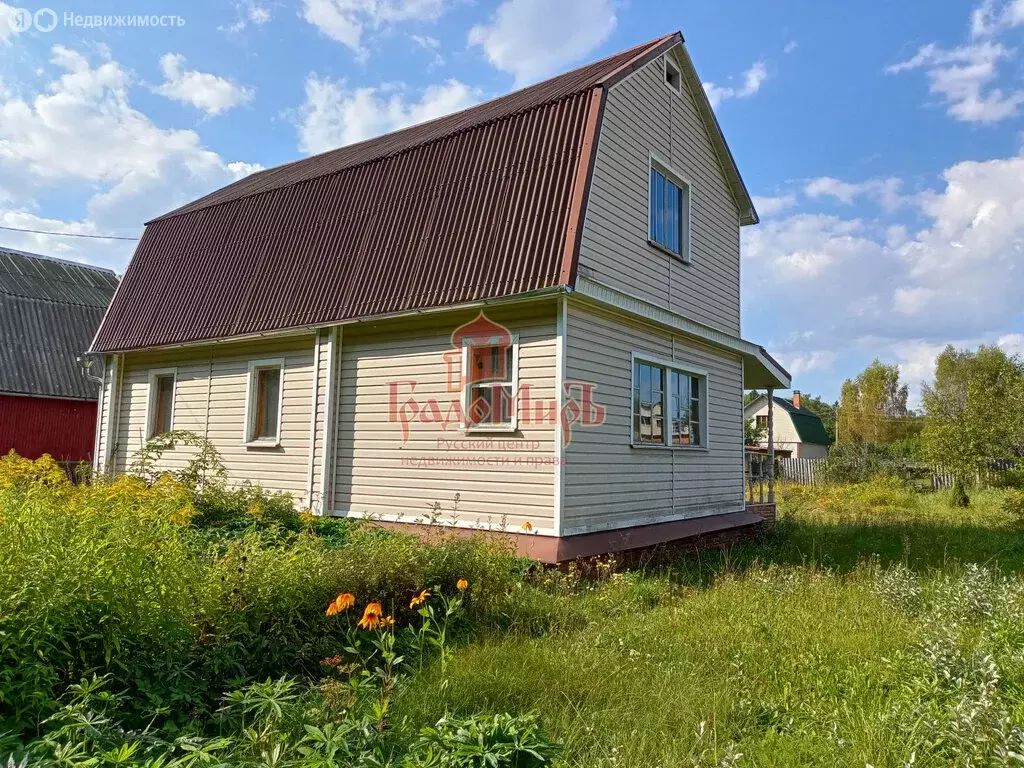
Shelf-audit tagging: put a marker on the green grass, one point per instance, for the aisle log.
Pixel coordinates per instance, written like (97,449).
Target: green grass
(871,626)
(801,649)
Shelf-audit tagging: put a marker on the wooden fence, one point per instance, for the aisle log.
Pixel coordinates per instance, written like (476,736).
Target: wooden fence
(811,472)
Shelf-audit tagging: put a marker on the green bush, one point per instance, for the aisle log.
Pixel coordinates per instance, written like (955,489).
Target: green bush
(1013,504)
(1010,478)
(123,579)
(860,462)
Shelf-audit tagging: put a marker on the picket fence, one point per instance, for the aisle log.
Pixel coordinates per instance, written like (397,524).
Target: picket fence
(811,472)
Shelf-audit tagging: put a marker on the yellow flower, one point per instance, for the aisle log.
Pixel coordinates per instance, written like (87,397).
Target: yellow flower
(342,602)
(527,526)
(387,622)
(371,616)
(420,598)
(462,585)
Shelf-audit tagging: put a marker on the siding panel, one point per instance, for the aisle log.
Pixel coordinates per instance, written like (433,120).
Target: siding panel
(643,115)
(209,400)
(608,483)
(508,481)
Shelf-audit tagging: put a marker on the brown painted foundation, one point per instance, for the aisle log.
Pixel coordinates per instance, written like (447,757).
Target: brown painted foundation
(709,532)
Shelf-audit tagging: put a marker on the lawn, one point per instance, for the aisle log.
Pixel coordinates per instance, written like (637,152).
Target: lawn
(872,626)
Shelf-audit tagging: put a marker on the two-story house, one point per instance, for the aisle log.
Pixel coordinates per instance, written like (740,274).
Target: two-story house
(531,306)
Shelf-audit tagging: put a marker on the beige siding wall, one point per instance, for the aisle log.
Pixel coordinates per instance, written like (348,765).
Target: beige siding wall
(103,415)
(643,115)
(209,399)
(608,483)
(501,479)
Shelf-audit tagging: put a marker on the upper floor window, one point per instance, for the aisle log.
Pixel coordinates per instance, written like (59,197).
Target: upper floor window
(161,402)
(490,380)
(762,423)
(673,77)
(668,405)
(264,402)
(669,205)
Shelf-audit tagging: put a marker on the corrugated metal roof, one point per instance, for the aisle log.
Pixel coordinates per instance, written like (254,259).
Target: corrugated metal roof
(480,204)
(49,310)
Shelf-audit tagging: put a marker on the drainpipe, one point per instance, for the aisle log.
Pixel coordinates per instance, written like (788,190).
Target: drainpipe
(771,445)
(86,360)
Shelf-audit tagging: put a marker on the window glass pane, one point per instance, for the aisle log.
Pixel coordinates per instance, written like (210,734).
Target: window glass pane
(268,397)
(654,210)
(491,364)
(672,217)
(659,206)
(163,405)
(490,394)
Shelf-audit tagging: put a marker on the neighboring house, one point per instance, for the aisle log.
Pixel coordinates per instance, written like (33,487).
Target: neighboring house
(49,311)
(796,429)
(526,314)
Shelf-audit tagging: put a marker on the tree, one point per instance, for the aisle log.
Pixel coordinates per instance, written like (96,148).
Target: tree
(873,406)
(753,434)
(974,412)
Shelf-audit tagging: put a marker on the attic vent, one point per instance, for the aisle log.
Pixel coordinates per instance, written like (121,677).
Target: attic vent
(673,78)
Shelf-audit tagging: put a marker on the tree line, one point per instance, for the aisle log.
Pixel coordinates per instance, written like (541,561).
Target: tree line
(971,416)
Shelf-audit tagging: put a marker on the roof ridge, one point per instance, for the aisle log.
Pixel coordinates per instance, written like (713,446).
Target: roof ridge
(634,53)
(68,262)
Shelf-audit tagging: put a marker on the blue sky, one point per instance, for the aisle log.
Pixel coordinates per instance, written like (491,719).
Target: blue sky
(882,140)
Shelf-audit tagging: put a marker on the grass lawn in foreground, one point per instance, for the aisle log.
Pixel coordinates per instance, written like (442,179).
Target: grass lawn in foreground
(856,633)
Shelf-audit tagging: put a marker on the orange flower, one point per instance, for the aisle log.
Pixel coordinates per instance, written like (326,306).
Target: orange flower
(387,622)
(371,616)
(342,602)
(462,585)
(420,598)
(527,526)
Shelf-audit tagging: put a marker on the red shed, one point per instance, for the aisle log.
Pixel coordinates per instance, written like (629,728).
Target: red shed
(49,311)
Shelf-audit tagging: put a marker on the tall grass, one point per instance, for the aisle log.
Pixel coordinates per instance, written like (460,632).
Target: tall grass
(113,579)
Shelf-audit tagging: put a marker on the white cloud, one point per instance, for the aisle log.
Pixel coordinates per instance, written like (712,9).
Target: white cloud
(334,115)
(1012,343)
(872,284)
(6,23)
(885,191)
(246,13)
(80,134)
(202,90)
(803,363)
(347,20)
(432,46)
(753,79)
(531,39)
(965,75)
(769,206)
(791,46)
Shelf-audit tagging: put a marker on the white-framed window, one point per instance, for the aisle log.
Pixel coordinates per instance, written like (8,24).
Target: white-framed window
(160,411)
(490,384)
(673,76)
(669,209)
(263,402)
(669,404)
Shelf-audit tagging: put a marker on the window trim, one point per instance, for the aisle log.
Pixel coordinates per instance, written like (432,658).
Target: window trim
(513,425)
(679,367)
(658,163)
(154,374)
(248,438)
(670,62)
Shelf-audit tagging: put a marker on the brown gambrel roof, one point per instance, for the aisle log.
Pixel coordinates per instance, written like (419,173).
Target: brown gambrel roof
(485,203)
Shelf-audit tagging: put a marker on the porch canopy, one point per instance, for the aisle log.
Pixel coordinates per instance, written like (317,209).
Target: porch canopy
(762,371)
